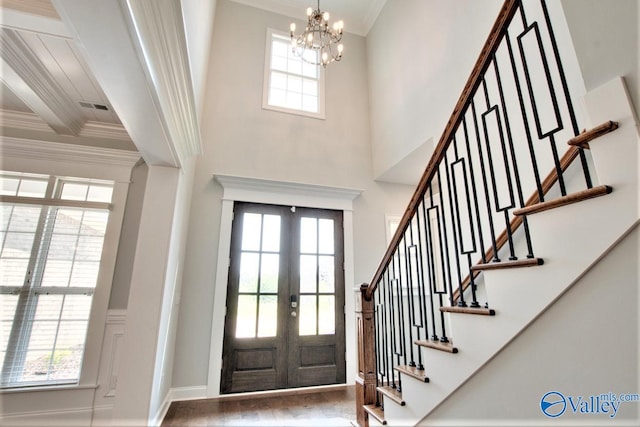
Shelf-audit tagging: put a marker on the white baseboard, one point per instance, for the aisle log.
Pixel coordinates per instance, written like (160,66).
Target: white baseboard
(188,393)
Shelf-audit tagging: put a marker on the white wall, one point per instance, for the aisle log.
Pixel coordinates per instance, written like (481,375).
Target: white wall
(605,37)
(585,344)
(242,139)
(418,62)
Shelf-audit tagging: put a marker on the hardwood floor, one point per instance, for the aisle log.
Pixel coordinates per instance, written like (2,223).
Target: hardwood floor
(323,408)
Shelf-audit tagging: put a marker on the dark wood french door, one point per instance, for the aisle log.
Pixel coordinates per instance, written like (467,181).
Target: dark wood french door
(285,299)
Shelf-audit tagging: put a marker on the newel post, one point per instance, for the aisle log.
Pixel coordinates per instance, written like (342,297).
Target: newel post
(366,379)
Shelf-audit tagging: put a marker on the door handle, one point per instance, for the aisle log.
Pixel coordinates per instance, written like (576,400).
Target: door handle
(294,301)
(294,314)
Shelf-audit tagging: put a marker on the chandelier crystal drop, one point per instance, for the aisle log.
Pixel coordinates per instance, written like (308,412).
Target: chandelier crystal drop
(320,42)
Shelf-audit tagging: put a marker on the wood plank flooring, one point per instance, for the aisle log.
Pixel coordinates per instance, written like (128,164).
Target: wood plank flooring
(324,408)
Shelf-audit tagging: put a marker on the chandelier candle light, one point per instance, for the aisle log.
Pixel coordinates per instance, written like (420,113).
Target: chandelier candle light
(319,43)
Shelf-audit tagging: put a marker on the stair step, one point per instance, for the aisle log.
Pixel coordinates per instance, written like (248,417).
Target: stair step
(413,372)
(469,310)
(376,412)
(392,394)
(600,190)
(438,345)
(583,139)
(528,262)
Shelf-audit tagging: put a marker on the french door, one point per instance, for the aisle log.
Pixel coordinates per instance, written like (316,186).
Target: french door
(285,299)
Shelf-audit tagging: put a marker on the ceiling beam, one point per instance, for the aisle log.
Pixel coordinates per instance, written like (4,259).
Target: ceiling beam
(29,79)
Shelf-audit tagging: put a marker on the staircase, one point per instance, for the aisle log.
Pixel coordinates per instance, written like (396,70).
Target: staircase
(451,293)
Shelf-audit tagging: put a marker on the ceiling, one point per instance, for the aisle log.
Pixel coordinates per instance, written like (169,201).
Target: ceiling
(47,91)
(358,15)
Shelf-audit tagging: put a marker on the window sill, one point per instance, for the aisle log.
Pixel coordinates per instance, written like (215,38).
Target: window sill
(319,116)
(47,388)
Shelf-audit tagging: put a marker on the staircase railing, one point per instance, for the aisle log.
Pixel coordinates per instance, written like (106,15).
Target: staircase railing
(507,128)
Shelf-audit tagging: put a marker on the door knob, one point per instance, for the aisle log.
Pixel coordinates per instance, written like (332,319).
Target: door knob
(294,314)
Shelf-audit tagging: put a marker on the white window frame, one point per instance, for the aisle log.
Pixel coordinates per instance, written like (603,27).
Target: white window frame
(271,33)
(64,161)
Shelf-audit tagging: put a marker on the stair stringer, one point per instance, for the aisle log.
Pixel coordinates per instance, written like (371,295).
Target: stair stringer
(571,240)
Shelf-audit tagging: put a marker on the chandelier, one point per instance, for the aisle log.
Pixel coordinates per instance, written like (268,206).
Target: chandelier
(319,43)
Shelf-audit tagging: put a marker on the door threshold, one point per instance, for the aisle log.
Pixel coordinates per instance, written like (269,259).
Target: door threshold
(280,392)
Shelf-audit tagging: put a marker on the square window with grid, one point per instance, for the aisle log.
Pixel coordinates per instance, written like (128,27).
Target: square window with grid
(52,232)
(291,84)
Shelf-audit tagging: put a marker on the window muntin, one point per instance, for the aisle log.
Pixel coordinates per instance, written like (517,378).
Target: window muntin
(49,257)
(291,84)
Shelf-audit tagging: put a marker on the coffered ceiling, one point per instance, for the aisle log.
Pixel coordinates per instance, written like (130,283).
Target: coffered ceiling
(47,90)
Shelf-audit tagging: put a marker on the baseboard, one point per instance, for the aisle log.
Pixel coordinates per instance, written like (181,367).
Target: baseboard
(67,417)
(188,393)
(162,411)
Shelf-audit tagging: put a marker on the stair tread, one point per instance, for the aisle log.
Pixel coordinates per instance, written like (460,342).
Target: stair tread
(438,345)
(414,372)
(469,310)
(376,412)
(600,190)
(392,394)
(527,262)
(583,139)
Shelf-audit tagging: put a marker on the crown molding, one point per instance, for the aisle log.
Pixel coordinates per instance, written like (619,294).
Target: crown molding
(374,9)
(160,29)
(56,151)
(34,7)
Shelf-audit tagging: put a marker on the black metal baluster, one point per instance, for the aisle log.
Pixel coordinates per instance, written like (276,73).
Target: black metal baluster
(567,95)
(420,276)
(431,263)
(492,232)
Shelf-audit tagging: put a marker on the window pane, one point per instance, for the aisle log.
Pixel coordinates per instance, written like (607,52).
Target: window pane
(294,100)
(57,273)
(308,315)
(310,103)
(269,274)
(249,265)
(85,274)
(279,48)
(251,226)
(94,223)
(246,320)
(278,97)
(294,66)
(5,215)
(74,191)
(309,70)
(278,81)
(310,87)
(29,188)
(13,271)
(325,233)
(17,245)
(68,221)
(8,305)
(308,235)
(326,276)
(76,307)
(308,269)
(62,246)
(327,314)
(100,193)
(43,334)
(9,186)
(89,248)
(271,233)
(268,318)
(24,218)
(294,84)
(48,307)
(278,63)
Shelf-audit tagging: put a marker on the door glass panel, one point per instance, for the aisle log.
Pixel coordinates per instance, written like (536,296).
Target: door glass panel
(308,235)
(251,232)
(308,315)
(325,233)
(326,283)
(268,316)
(246,319)
(326,314)
(308,270)
(271,233)
(269,273)
(249,266)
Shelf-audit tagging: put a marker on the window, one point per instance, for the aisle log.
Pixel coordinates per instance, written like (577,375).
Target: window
(291,84)
(52,231)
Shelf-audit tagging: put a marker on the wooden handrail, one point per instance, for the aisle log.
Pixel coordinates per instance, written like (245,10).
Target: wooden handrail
(483,62)
(516,222)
